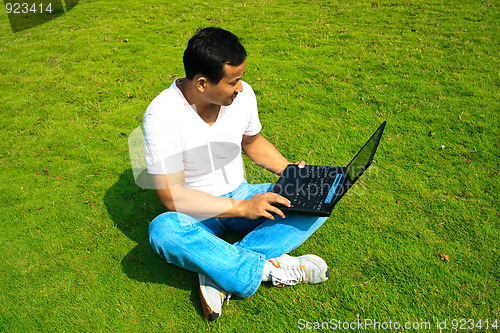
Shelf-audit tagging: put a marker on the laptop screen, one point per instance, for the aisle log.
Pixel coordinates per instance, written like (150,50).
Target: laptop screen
(364,157)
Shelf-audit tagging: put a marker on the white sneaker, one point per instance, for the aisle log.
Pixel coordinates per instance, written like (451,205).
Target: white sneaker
(212,296)
(289,271)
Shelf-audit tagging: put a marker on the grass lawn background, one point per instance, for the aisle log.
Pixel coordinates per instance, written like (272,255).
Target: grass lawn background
(75,253)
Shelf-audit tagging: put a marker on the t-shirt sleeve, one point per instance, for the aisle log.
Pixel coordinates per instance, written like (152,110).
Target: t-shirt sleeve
(254,126)
(162,146)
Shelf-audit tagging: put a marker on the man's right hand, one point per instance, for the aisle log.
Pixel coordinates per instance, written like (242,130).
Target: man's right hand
(262,205)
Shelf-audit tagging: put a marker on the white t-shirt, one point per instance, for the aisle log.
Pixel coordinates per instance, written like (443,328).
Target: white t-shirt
(176,139)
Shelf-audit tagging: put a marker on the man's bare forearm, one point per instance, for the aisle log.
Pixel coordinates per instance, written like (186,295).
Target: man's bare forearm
(200,204)
(264,154)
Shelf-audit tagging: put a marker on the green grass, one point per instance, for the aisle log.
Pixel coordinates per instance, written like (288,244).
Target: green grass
(75,253)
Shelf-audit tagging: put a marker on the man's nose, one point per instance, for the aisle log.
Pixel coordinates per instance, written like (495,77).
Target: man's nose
(239,87)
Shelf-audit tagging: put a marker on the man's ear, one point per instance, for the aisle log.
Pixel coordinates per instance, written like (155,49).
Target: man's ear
(201,83)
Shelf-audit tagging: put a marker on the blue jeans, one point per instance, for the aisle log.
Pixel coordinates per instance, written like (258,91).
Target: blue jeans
(196,245)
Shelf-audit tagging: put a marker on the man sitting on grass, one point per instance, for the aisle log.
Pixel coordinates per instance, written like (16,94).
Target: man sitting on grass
(194,133)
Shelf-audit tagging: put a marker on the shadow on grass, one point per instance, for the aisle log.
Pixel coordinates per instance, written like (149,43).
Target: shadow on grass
(132,209)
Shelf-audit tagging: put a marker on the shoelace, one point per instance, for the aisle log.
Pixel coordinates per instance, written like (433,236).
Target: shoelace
(225,295)
(292,275)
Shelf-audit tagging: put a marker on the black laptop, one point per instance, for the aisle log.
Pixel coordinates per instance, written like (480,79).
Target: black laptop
(316,189)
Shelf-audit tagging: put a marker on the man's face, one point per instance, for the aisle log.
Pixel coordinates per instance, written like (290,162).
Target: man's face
(224,92)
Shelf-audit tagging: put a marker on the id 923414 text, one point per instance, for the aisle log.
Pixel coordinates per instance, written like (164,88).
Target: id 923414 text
(27,8)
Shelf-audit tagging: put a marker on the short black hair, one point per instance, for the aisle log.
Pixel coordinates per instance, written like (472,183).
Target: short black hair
(209,50)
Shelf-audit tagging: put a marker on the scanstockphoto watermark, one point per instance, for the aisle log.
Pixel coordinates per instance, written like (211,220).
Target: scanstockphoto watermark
(26,14)
(367,324)
(208,163)
(377,325)
(221,160)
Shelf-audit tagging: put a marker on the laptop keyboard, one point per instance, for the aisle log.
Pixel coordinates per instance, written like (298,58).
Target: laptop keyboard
(317,190)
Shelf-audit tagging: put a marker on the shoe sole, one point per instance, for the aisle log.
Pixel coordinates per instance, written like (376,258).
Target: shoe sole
(207,310)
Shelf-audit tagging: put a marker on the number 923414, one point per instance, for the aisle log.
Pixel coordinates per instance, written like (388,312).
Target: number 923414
(26,8)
